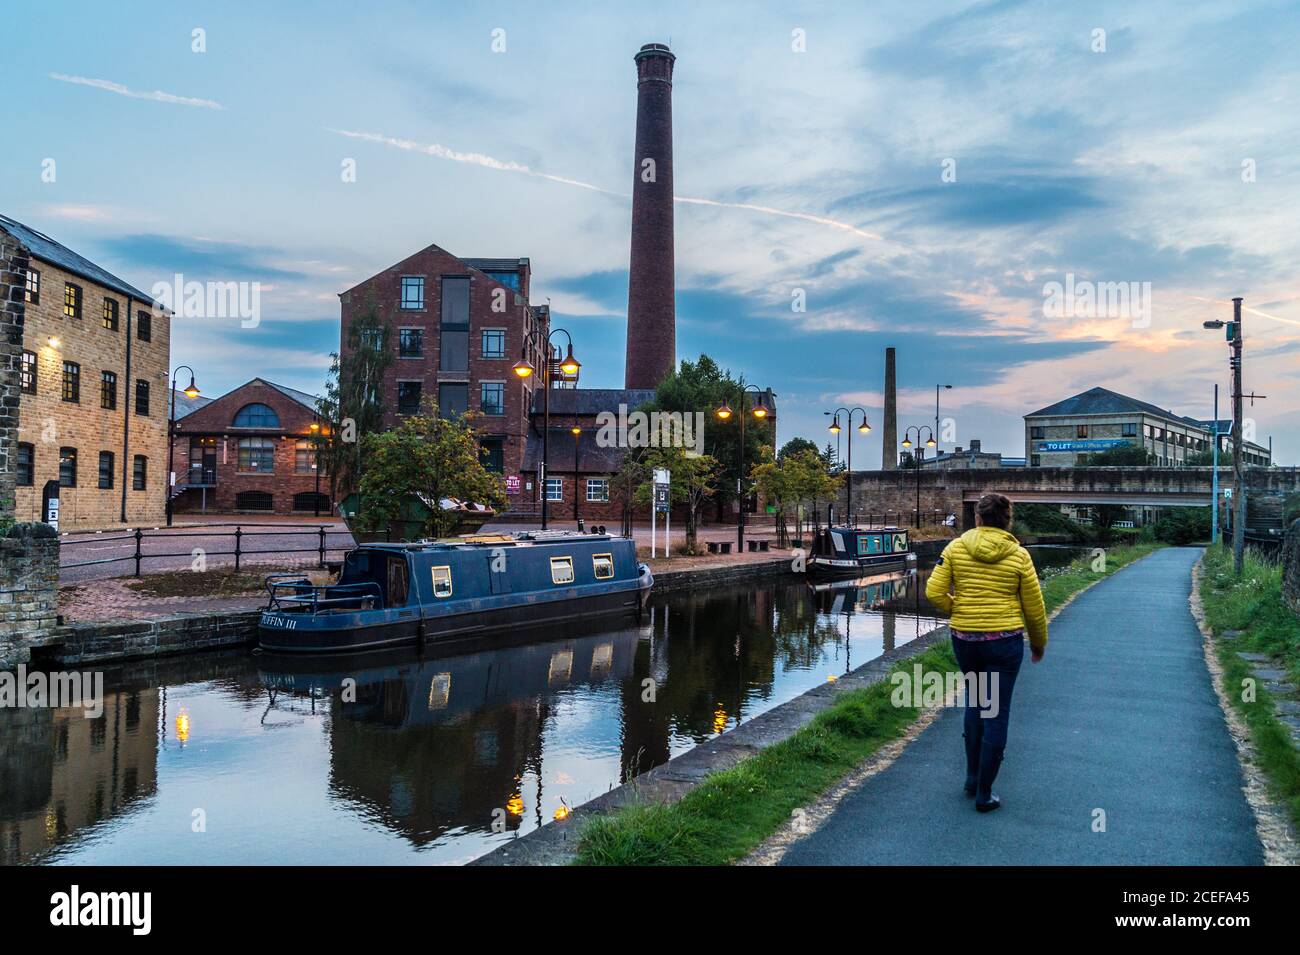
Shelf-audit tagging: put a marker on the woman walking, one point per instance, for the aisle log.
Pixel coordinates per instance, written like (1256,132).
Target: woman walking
(986,583)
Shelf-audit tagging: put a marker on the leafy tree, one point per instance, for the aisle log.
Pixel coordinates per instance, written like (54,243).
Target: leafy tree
(694,481)
(1120,456)
(353,403)
(795,445)
(1184,525)
(633,472)
(430,457)
(1204,459)
(801,476)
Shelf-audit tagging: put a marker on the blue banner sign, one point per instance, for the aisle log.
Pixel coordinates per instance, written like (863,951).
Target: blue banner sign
(1101,444)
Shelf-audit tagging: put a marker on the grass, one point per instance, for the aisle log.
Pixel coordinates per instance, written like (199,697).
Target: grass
(732,811)
(1254,606)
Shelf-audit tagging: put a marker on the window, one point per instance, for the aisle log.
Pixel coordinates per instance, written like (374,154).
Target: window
(453,399)
(107,390)
(602,565)
(139,472)
(492,452)
(453,351)
(33,291)
(105,469)
(256,416)
(1033,460)
(71,381)
(442,581)
(597,490)
(67,467)
(110,314)
(561,570)
(412,291)
(304,458)
(1081,431)
(372,338)
(408,397)
(144,326)
(71,300)
(410,343)
(492,397)
(555,489)
(494,343)
(26,464)
(1129,429)
(141,397)
(256,456)
(254,501)
(1038,431)
(27,374)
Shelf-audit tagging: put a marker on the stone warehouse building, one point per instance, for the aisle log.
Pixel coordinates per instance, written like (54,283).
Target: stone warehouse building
(85,362)
(1099,418)
(251,451)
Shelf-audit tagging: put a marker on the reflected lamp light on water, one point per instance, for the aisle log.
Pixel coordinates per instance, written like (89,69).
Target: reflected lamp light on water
(564,810)
(183,726)
(515,805)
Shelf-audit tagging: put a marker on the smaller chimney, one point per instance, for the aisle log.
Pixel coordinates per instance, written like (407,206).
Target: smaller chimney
(957,450)
(974,445)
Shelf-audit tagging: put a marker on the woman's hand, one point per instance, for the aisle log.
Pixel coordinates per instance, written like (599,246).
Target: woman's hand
(1036,654)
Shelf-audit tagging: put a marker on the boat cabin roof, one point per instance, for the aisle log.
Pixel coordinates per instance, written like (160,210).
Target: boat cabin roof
(477,541)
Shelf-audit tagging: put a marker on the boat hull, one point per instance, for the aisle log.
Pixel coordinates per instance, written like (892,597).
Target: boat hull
(829,567)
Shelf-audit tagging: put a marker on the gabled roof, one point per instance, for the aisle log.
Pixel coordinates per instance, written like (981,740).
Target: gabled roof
(1102,401)
(187,405)
(60,256)
(480,265)
(590,401)
(304,399)
(299,396)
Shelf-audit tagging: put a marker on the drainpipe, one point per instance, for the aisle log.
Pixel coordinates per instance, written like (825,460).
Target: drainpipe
(126,410)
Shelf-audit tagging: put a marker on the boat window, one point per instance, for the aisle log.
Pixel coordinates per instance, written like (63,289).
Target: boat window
(561,570)
(603,566)
(397,581)
(442,581)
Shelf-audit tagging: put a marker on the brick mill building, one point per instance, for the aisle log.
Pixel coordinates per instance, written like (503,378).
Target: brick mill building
(85,361)
(251,451)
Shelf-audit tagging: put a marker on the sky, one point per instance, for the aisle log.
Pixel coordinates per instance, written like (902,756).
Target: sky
(848,177)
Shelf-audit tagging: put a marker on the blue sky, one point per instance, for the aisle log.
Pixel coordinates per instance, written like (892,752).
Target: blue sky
(820,170)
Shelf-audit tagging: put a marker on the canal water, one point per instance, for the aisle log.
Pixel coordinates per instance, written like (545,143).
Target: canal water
(240,757)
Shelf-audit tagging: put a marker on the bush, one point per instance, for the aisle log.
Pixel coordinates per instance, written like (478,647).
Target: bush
(1184,525)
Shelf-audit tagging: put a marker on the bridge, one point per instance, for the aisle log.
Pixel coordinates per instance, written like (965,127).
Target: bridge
(956,491)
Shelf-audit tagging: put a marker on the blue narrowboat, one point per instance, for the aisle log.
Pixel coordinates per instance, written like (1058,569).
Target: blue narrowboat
(853,551)
(392,594)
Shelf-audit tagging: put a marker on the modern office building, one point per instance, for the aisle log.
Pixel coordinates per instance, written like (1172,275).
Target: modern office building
(1100,419)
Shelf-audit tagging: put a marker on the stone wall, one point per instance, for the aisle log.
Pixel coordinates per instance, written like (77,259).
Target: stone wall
(101,641)
(13,271)
(1291,566)
(29,590)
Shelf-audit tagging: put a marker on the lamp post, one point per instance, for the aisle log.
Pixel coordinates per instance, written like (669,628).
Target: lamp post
(936,408)
(524,369)
(577,433)
(917,457)
(864,428)
(1238,460)
(315,460)
(191,391)
(759,411)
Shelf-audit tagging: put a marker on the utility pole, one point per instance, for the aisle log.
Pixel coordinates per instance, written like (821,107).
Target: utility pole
(1238,460)
(1214,478)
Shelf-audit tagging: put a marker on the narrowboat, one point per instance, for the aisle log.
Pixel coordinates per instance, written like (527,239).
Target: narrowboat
(854,551)
(392,594)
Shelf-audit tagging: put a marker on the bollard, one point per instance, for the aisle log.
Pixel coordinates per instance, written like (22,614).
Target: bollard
(139,535)
(322,546)
(238,534)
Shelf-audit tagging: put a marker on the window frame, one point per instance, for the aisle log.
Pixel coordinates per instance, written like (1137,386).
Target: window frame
(483,342)
(32,286)
(65,459)
(483,406)
(112,314)
(312,451)
(106,457)
(267,446)
(418,334)
(416,281)
(28,367)
(275,416)
(406,409)
(140,472)
(546,489)
(609,558)
(143,326)
(141,390)
(108,390)
(567,560)
(71,391)
(30,465)
(1080,431)
(433,577)
(604,490)
(73,298)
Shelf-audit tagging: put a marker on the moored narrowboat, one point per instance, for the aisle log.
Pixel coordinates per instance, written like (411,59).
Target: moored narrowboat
(853,551)
(392,594)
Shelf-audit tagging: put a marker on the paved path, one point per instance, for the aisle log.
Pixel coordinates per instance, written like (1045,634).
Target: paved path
(1121,716)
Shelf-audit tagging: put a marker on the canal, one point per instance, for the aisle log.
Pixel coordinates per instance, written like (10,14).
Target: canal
(238,757)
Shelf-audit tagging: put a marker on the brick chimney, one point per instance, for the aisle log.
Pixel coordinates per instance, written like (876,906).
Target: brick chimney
(651,289)
(889,439)
(974,445)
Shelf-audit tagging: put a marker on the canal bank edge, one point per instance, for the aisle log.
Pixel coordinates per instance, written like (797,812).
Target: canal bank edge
(106,641)
(556,843)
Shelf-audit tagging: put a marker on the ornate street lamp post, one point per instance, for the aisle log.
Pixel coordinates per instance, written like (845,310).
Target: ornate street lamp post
(864,429)
(917,457)
(191,391)
(524,369)
(761,411)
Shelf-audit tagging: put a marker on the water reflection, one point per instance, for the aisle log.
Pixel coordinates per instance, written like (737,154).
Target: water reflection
(409,757)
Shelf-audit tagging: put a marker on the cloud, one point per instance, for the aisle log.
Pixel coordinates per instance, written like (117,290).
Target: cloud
(157,96)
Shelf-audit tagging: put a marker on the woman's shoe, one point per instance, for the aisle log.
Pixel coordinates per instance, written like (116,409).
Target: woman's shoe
(993,803)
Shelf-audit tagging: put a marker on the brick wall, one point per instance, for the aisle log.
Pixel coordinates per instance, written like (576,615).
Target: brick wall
(1291,566)
(13,269)
(29,589)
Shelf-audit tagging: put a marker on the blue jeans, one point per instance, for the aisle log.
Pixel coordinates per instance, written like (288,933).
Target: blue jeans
(986,736)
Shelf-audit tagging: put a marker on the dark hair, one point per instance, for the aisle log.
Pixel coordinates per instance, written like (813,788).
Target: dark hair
(994,510)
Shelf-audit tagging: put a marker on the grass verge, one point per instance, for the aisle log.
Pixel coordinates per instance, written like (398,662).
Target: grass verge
(1253,605)
(732,811)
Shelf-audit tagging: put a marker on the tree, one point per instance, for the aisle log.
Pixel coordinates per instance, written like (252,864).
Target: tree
(353,404)
(1204,459)
(623,486)
(1120,456)
(430,457)
(694,481)
(801,476)
(794,446)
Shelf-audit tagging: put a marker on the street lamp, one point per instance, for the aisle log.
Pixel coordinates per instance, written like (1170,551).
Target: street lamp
(761,412)
(523,370)
(191,391)
(315,439)
(917,457)
(577,433)
(1238,463)
(936,407)
(864,428)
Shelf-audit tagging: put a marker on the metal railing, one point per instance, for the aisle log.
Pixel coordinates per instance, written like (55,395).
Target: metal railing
(138,537)
(290,592)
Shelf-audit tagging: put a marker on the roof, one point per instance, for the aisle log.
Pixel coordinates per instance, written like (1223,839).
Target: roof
(59,255)
(592,457)
(591,401)
(186,405)
(1103,401)
(299,396)
(495,265)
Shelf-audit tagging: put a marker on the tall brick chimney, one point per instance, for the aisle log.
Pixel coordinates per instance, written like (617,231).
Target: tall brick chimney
(651,289)
(889,438)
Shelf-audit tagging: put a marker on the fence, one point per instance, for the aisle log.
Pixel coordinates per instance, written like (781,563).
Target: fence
(137,538)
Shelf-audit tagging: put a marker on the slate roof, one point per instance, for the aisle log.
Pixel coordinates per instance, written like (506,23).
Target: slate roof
(299,396)
(187,405)
(592,459)
(592,401)
(59,255)
(191,405)
(1103,401)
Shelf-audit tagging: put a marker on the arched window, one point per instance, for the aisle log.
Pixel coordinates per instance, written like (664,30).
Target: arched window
(256,455)
(253,501)
(311,501)
(256,416)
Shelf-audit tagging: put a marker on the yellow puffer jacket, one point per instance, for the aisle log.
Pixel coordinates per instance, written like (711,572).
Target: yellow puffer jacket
(992,582)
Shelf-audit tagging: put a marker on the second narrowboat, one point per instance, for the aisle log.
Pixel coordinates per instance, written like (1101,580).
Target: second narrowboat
(854,551)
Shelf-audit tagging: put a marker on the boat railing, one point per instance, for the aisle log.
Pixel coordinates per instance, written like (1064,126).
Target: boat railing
(290,592)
